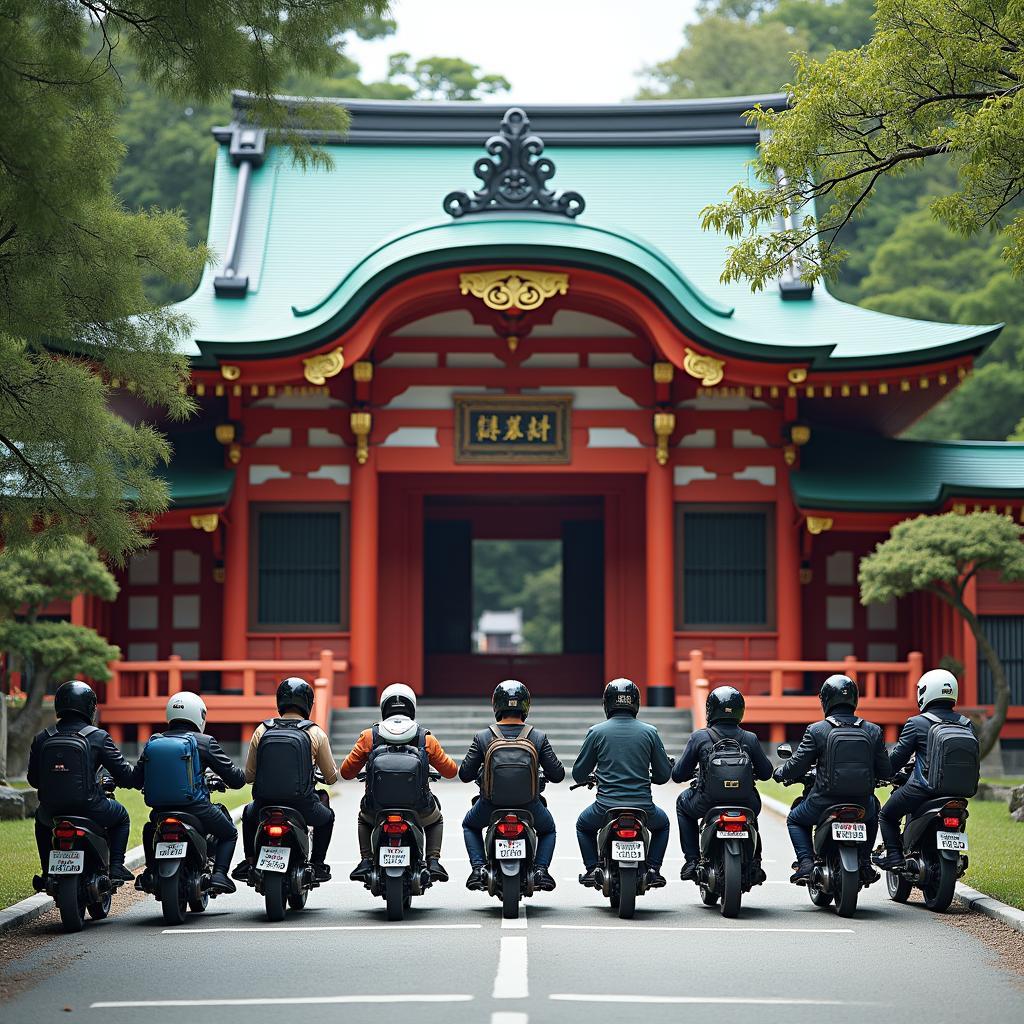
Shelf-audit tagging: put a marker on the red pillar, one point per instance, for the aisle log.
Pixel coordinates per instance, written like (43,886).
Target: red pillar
(363,584)
(787,575)
(236,570)
(660,586)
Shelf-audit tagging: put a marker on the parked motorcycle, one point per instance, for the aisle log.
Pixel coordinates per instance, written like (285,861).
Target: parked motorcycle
(935,850)
(78,873)
(728,865)
(839,834)
(182,859)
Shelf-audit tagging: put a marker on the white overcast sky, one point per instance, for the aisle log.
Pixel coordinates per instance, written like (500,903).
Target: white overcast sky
(550,50)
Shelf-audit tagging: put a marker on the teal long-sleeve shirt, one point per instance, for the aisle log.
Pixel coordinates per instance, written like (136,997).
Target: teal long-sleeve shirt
(626,755)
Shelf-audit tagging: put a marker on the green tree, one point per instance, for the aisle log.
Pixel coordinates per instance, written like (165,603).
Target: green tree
(74,313)
(941,555)
(444,78)
(31,577)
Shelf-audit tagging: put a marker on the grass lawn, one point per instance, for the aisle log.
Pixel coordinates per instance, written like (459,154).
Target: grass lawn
(19,860)
(997,844)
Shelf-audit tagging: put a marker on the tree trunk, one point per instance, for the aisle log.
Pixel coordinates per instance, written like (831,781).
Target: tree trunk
(22,727)
(3,737)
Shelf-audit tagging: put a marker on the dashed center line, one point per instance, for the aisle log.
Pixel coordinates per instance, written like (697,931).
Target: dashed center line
(284,1001)
(276,929)
(723,930)
(511,981)
(708,1000)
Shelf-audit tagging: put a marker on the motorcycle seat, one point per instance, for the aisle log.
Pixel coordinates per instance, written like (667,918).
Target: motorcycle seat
(616,812)
(290,815)
(84,823)
(833,809)
(498,813)
(183,816)
(730,809)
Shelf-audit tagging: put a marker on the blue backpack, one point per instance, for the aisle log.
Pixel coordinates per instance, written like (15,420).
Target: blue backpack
(174,773)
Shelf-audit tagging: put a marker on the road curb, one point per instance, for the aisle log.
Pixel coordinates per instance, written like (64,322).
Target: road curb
(975,901)
(35,906)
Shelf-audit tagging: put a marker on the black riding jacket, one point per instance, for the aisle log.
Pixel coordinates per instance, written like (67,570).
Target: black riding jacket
(812,749)
(105,754)
(473,763)
(914,739)
(211,755)
(687,765)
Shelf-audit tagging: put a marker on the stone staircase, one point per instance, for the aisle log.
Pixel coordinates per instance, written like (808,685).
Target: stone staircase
(455,722)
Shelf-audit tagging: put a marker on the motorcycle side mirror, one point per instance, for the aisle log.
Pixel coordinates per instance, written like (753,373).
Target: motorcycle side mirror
(784,750)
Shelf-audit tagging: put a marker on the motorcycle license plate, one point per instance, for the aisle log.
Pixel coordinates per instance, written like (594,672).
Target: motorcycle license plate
(631,852)
(395,856)
(67,862)
(850,831)
(510,849)
(274,858)
(721,834)
(169,851)
(955,841)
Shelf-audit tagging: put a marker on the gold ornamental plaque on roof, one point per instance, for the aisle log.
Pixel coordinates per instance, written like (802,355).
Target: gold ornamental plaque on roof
(513,428)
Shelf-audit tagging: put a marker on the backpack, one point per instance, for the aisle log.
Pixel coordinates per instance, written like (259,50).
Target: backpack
(727,773)
(67,772)
(511,769)
(284,762)
(953,756)
(397,775)
(849,761)
(174,772)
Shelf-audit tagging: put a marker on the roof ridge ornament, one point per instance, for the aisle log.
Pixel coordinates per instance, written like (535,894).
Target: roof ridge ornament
(514,176)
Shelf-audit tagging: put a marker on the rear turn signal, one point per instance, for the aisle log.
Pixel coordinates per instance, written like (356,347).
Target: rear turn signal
(510,827)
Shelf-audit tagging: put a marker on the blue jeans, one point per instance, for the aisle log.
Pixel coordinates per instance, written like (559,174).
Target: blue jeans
(806,814)
(591,821)
(478,817)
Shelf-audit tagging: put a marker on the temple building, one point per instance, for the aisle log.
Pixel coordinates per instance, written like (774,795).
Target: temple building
(441,339)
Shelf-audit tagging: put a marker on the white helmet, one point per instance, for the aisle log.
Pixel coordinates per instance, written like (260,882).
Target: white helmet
(398,729)
(187,707)
(938,684)
(397,699)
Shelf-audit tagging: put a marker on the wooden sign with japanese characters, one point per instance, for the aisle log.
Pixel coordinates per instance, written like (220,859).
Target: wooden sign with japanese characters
(513,428)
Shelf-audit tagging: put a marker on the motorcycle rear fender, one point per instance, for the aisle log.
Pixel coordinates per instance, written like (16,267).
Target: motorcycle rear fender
(924,817)
(94,842)
(823,830)
(169,868)
(510,867)
(849,856)
(709,827)
(395,872)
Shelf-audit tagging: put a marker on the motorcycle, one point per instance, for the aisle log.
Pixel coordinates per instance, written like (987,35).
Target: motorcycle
(283,874)
(399,852)
(182,859)
(935,851)
(839,834)
(622,845)
(78,872)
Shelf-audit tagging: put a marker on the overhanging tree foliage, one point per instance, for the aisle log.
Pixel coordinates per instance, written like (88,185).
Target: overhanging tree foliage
(941,555)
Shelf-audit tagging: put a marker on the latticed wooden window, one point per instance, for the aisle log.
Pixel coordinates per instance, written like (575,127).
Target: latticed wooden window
(1006,634)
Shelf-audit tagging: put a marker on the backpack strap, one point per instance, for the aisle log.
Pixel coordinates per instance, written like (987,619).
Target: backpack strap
(836,724)
(305,724)
(87,730)
(421,739)
(932,717)
(270,723)
(715,735)
(375,737)
(527,729)
(965,721)
(497,732)
(52,731)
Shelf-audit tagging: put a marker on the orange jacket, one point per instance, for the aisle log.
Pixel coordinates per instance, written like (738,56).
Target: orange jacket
(354,763)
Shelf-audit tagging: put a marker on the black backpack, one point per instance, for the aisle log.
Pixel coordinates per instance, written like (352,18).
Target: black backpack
(849,762)
(511,769)
(67,772)
(727,773)
(397,775)
(953,756)
(284,762)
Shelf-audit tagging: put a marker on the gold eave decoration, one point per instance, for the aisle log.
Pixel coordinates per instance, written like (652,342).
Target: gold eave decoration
(797,375)
(316,369)
(664,424)
(230,372)
(513,289)
(708,370)
(206,521)
(818,524)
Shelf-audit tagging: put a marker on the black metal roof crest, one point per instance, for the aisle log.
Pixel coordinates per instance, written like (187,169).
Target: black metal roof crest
(514,176)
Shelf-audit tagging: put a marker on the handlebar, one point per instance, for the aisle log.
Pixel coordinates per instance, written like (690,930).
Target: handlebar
(590,783)
(214,782)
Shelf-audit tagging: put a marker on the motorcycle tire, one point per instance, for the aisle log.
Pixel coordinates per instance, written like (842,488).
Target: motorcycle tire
(101,908)
(899,888)
(510,886)
(275,895)
(173,900)
(708,896)
(394,894)
(732,884)
(70,905)
(627,892)
(939,890)
(848,889)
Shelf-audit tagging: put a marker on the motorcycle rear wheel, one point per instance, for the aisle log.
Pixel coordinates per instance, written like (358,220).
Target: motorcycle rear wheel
(627,892)
(198,905)
(708,896)
(899,888)
(173,900)
(394,887)
(510,885)
(732,884)
(101,908)
(275,895)
(70,905)
(848,889)
(938,892)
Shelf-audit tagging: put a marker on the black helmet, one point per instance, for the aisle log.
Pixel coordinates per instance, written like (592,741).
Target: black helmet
(725,704)
(838,690)
(511,697)
(75,698)
(621,695)
(297,694)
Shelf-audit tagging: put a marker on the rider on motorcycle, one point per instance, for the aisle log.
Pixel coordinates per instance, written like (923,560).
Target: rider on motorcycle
(937,693)
(628,756)
(511,704)
(186,716)
(839,697)
(294,706)
(725,707)
(398,727)
(64,772)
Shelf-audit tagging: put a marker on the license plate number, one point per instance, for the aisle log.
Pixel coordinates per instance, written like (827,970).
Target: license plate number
(850,832)
(394,856)
(510,849)
(633,851)
(720,834)
(274,858)
(169,851)
(956,841)
(67,862)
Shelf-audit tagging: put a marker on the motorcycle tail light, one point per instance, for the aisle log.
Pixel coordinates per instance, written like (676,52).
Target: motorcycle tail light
(65,830)
(626,833)
(395,825)
(276,830)
(850,813)
(732,822)
(510,827)
(951,822)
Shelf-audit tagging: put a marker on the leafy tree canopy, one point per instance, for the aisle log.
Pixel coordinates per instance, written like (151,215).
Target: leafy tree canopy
(444,78)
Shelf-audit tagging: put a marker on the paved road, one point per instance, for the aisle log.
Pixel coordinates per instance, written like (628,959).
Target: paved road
(454,960)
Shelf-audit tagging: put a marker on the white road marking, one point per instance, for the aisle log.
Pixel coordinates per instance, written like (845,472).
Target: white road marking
(709,1000)
(723,929)
(273,929)
(509,1018)
(518,922)
(511,981)
(288,1001)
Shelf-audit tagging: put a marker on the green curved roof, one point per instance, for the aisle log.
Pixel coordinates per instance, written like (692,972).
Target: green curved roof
(319,245)
(862,472)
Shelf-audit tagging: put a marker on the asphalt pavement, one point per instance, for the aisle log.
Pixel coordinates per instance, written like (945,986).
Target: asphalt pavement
(568,959)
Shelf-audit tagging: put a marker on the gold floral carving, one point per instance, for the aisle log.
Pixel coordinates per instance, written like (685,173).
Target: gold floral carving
(316,369)
(361,424)
(206,521)
(708,370)
(818,524)
(664,424)
(513,289)
(797,375)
